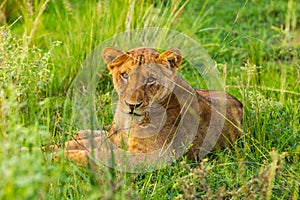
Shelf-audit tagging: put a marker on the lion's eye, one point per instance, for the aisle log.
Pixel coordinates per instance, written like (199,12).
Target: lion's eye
(151,80)
(124,76)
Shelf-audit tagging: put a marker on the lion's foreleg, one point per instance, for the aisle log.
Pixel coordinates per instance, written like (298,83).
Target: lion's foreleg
(80,147)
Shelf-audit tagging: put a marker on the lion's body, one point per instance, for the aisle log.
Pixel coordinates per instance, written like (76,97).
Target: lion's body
(150,107)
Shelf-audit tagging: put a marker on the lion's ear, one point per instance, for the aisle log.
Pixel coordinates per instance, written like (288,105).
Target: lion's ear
(173,56)
(109,54)
(113,57)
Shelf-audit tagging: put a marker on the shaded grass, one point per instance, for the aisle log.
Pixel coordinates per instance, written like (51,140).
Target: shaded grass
(255,45)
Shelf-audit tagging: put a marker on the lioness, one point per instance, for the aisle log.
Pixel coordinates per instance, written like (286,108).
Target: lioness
(152,106)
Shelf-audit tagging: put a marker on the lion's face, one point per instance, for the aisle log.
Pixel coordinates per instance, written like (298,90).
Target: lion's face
(142,77)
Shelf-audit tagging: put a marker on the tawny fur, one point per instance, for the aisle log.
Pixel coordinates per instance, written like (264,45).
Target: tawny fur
(134,89)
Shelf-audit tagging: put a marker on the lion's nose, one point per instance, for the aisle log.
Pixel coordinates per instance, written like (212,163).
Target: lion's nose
(133,106)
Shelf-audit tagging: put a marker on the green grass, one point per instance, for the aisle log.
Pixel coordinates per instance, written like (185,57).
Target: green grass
(255,45)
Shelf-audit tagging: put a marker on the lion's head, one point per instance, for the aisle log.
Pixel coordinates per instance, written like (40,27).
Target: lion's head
(142,76)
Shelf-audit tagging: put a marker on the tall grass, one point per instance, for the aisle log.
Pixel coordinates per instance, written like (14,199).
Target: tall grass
(255,45)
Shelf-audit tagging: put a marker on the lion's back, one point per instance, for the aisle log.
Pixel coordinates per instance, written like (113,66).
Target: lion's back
(231,131)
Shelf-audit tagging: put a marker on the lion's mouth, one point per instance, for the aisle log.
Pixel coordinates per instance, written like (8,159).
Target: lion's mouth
(134,113)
